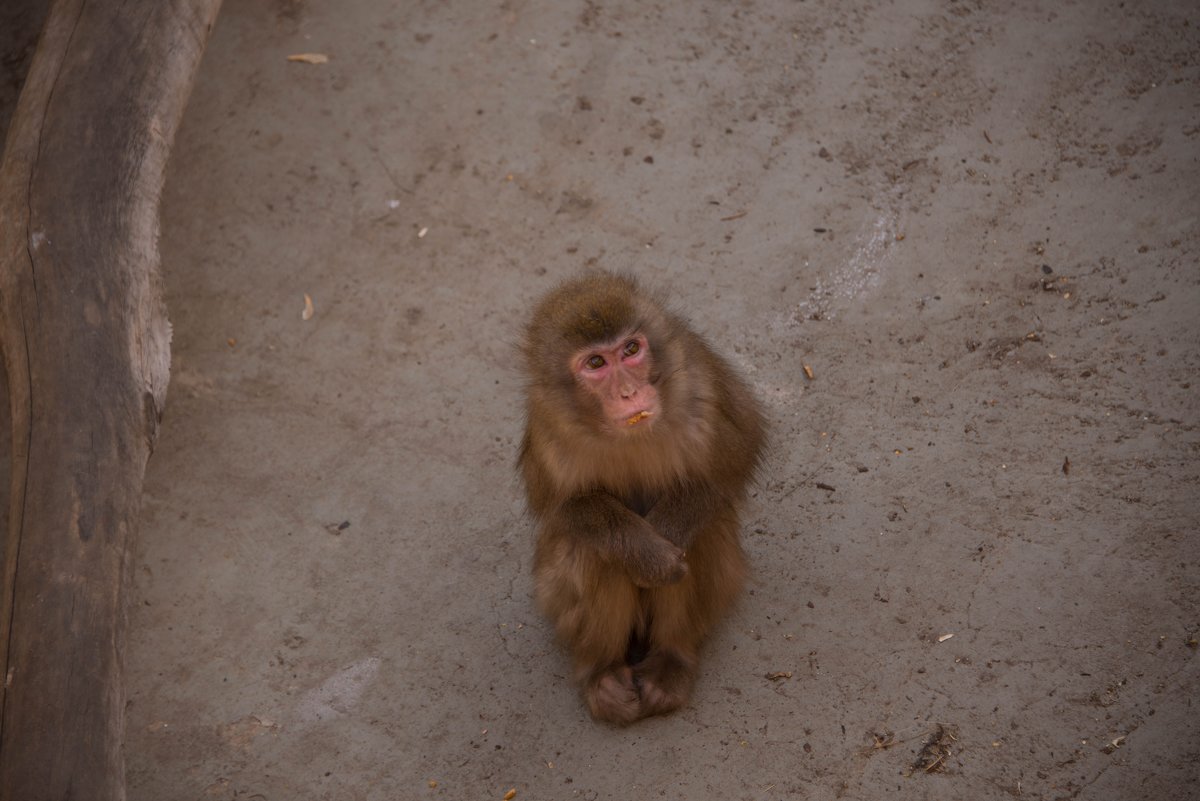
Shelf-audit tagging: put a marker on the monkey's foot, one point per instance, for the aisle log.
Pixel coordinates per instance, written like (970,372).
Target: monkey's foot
(664,680)
(612,697)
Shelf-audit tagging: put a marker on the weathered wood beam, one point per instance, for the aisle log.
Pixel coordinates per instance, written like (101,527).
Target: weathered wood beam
(86,348)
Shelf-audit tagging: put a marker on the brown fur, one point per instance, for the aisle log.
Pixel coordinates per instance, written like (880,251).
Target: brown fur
(637,553)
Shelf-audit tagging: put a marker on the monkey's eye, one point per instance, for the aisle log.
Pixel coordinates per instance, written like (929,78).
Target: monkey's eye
(632,347)
(594,362)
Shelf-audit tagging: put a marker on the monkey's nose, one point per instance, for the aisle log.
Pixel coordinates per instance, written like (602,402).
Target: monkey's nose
(628,391)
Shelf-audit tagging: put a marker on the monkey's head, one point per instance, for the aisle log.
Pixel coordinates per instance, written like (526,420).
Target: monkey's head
(596,342)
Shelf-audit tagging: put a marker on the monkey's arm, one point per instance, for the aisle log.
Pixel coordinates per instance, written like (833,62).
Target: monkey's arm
(683,511)
(619,536)
(716,488)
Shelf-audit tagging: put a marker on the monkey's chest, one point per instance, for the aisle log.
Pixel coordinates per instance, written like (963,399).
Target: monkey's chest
(640,503)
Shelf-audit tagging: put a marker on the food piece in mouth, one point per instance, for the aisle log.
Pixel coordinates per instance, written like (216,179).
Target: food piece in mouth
(637,418)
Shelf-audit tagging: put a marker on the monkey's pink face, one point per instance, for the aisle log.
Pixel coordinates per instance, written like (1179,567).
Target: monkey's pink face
(619,376)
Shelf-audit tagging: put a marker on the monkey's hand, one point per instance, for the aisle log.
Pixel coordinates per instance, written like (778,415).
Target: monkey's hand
(653,561)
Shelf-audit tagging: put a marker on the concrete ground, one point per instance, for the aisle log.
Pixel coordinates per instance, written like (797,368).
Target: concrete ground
(975,541)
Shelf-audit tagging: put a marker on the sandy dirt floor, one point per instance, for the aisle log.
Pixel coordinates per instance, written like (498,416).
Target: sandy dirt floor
(975,540)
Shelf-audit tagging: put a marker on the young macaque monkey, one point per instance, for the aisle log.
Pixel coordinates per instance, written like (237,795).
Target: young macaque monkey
(638,448)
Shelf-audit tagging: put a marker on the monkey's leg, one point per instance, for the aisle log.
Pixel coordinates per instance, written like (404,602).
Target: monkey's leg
(665,677)
(681,615)
(594,607)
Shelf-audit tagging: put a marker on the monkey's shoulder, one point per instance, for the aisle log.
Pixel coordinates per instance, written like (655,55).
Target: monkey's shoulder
(721,401)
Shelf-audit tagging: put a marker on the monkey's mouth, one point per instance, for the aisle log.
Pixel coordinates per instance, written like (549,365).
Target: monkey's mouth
(639,417)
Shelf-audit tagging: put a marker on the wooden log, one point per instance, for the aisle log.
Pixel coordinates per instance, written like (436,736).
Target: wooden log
(86,348)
